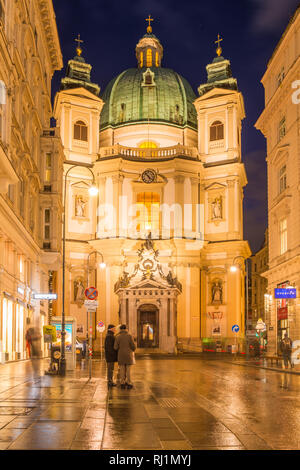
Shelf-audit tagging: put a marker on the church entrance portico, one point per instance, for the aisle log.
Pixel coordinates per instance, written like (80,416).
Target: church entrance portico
(148,302)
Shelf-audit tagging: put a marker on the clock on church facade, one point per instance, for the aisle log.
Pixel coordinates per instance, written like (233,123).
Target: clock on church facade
(168,218)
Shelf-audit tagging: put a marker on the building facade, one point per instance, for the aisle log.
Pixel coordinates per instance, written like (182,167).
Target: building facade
(168,217)
(259,286)
(31,166)
(280,124)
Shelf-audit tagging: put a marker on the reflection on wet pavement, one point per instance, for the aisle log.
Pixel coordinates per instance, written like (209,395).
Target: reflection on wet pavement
(177,404)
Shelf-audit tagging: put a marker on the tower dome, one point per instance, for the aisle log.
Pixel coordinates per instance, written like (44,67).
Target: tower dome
(148,93)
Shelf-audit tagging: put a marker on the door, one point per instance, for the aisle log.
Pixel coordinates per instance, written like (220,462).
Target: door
(148,328)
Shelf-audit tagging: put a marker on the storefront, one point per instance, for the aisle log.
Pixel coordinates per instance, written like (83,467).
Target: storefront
(15,318)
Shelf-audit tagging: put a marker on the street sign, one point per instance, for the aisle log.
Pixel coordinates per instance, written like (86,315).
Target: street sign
(235,328)
(91,305)
(45,296)
(91,293)
(100,326)
(260,325)
(288,293)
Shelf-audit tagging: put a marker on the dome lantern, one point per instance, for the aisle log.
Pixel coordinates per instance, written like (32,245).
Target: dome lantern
(149,51)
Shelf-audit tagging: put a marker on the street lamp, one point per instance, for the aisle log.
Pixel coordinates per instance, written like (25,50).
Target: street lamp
(93,191)
(233,268)
(89,337)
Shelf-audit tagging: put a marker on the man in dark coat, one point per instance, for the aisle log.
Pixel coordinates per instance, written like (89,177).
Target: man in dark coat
(111,355)
(125,346)
(286,349)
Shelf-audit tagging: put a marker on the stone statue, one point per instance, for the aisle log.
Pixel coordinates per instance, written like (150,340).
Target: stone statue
(217,208)
(79,206)
(217,292)
(78,290)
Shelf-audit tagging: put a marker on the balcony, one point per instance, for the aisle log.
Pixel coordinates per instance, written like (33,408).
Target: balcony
(164,153)
(7,172)
(51,132)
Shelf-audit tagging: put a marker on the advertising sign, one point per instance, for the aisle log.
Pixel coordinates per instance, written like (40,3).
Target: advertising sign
(285,293)
(68,337)
(49,332)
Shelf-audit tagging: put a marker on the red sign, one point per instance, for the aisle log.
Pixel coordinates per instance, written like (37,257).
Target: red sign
(282,313)
(91,293)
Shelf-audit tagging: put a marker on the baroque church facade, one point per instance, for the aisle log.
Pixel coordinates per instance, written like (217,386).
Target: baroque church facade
(168,217)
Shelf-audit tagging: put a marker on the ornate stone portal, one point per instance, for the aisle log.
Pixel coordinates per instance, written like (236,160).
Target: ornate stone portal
(148,301)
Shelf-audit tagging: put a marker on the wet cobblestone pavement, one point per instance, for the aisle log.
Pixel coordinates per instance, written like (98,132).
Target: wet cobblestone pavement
(177,404)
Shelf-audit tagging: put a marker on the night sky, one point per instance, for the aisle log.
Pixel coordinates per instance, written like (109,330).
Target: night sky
(187,30)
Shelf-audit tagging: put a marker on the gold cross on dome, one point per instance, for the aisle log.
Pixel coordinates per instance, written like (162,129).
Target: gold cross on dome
(78,49)
(149,28)
(219,49)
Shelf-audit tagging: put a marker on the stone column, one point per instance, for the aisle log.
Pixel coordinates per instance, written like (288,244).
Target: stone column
(179,210)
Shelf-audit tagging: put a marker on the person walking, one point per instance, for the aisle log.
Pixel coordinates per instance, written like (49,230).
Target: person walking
(111,355)
(125,346)
(286,349)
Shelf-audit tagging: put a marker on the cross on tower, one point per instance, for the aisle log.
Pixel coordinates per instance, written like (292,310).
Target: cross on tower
(78,49)
(219,49)
(149,28)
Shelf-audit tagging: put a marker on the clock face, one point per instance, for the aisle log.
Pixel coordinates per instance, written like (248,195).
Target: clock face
(148,176)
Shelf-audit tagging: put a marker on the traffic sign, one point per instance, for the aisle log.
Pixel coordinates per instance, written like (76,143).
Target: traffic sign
(91,293)
(260,325)
(100,326)
(91,305)
(235,328)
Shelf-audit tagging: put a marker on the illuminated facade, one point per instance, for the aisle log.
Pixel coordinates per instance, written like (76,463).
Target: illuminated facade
(168,217)
(31,158)
(279,123)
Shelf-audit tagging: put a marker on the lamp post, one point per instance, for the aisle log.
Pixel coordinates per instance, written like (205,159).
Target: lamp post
(89,337)
(93,191)
(234,268)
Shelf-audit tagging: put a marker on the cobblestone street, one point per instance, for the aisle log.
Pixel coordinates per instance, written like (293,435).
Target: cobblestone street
(177,403)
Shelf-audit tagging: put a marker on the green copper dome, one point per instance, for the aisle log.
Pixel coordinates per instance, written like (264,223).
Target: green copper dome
(154,94)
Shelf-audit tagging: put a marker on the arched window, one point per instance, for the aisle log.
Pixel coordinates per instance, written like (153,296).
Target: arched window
(80,131)
(217,131)
(156,59)
(141,59)
(148,145)
(148,211)
(149,58)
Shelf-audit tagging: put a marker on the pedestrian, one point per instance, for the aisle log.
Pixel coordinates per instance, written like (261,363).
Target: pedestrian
(125,346)
(33,338)
(111,355)
(286,349)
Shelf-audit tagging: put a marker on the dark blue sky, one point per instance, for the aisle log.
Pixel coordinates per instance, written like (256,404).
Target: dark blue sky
(187,30)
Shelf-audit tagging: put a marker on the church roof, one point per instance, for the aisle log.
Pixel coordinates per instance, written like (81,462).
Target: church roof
(168,99)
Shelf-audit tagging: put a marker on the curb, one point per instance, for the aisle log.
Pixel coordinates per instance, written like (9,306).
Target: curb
(285,371)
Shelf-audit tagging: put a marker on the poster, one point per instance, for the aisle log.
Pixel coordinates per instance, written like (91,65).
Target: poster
(68,337)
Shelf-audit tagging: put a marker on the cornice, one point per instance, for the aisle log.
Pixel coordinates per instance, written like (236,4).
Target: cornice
(48,22)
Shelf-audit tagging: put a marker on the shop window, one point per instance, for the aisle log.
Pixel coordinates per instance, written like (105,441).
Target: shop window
(216,131)
(80,131)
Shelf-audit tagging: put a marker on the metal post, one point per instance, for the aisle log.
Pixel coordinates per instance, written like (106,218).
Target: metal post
(62,362)
(90,346)
(247,307)
(101,343)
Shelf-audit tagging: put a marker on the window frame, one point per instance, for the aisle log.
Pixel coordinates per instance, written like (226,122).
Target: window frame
(81,127)
(215,127)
